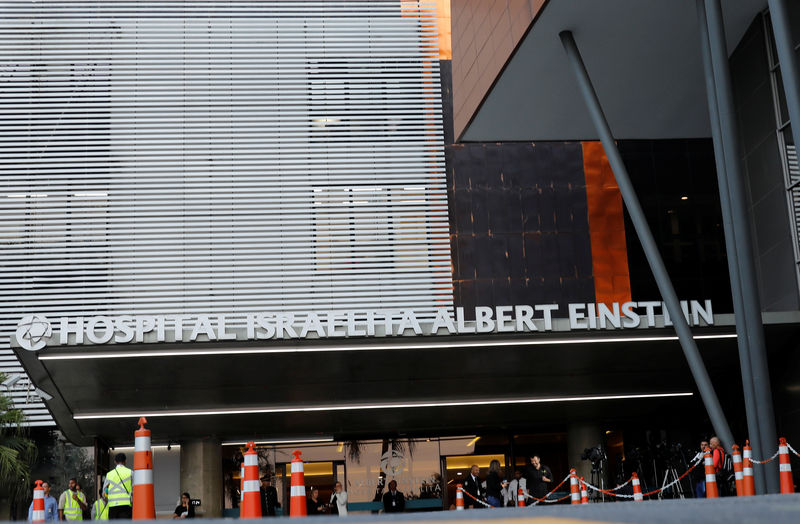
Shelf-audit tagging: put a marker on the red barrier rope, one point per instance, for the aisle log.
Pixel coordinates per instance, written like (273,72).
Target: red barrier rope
(546,500)
(675,482)
(476,499)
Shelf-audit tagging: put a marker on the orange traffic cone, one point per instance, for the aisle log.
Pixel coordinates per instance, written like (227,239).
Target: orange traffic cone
(787,484)
(574,488)
(251,492)
(738,474)
(144,504)
(711,478)
(459,497)
(520,498)
(298,496)
(637,487)
(37,515)
(747,470)
(584,493)
(241,490)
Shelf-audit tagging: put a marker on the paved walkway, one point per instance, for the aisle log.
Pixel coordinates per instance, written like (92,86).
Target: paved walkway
(772,509)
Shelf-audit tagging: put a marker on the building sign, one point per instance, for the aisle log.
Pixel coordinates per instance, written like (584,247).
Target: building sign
(34,332)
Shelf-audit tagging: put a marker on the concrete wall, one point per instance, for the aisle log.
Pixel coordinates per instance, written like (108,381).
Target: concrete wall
(166,476)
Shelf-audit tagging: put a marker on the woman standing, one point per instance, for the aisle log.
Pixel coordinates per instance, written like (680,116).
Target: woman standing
(339,500)
(494,485)
(185,510)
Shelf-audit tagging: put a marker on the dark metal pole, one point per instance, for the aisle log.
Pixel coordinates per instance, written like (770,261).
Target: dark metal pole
(787,57)
(730,246)
(649,246)
(744,242)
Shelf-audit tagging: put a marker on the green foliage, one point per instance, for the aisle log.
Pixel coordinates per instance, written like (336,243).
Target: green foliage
(17,453)
(64,461)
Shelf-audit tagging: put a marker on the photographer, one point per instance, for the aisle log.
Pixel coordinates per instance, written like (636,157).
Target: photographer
(538,477)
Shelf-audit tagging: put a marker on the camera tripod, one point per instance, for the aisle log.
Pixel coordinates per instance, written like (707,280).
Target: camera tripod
(597,479)
(671,475)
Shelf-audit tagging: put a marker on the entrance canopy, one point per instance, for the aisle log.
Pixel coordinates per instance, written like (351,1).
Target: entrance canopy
(380,387)
(644,59)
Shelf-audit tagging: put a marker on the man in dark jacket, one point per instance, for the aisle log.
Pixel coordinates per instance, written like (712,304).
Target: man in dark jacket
(269,497)
(538,477)
(472,486)
(393,500)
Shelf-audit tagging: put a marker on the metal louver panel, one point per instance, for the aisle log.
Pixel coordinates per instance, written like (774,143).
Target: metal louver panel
(161,157)
(794,185)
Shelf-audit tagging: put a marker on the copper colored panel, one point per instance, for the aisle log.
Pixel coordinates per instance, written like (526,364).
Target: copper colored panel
(606,227)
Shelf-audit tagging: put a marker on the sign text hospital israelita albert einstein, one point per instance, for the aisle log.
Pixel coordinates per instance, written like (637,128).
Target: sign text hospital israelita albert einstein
(34,332)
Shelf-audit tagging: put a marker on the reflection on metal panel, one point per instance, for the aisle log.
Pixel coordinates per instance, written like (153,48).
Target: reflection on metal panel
(179,157)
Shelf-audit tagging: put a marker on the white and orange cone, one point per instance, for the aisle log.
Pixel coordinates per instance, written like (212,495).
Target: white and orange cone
(787,483)
(574,488)
(37,515)
(520,498)
(251,491)
(459,497)
(144,504)
(584,492)
(298,506)
(712,491)
(738,472)
(747,470)
(241,490)
(637,488)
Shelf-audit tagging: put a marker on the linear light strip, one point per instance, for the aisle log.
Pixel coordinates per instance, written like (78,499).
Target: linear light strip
(392,405)
(368,347)
(309,440)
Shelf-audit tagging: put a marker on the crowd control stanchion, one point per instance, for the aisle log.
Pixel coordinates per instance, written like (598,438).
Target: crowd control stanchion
(738,472)
(520,498)
(787,483)
(298,495)
(459,497)
(37,515)
(711,478)
(574,488)
(144,504)
(584,492)
(747,470)
(637,487)
(251,493)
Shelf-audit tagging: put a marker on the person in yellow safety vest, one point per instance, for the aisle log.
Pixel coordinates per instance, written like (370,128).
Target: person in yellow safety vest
(118,489)
(72,503)
(100,506)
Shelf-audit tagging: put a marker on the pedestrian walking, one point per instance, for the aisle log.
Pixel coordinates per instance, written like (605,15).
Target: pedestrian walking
(510,492)
(50,505)
(269,497)
(315,506)
(473,486)
(118,489)
(185,510)
(538,477)
(393,500)
(71,503)
(87,511)
(339,500)
(700,484)
(100,506)
(494,484)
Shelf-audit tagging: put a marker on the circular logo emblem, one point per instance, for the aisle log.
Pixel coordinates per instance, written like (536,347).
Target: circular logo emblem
(393,462)
(32,331)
